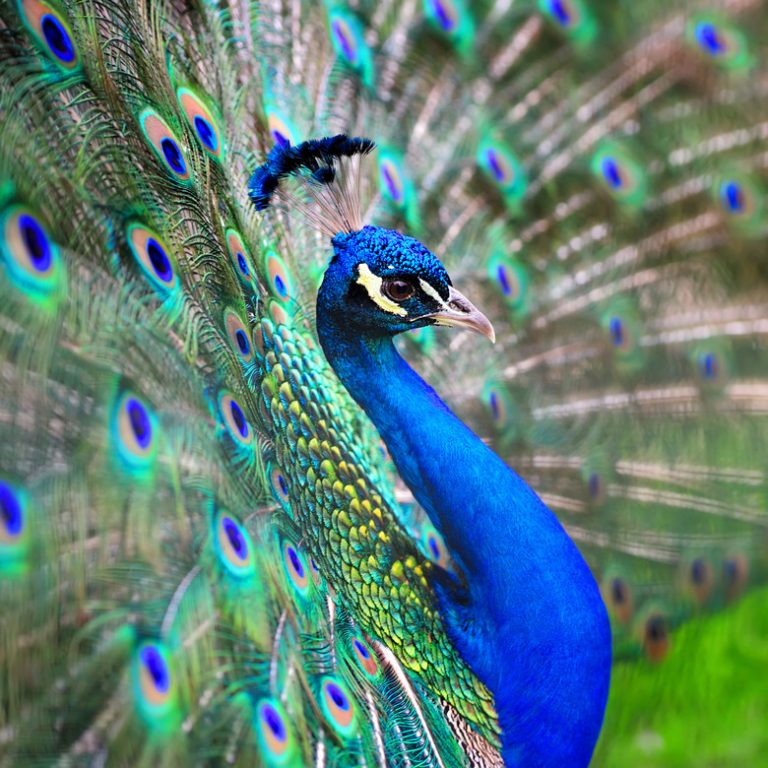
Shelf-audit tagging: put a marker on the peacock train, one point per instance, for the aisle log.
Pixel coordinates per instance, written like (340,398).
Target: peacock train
(259,506)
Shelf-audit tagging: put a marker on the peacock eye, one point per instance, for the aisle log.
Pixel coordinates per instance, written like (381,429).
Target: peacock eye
(397,290)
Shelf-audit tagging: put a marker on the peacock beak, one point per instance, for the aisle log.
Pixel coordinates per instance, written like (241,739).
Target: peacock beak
(460,312)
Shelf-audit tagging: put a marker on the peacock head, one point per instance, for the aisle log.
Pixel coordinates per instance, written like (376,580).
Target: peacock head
(381,282)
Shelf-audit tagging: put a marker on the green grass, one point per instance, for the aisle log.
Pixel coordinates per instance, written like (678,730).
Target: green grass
(705,705)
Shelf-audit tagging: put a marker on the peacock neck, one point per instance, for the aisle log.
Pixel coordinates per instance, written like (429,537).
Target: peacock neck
(526,616)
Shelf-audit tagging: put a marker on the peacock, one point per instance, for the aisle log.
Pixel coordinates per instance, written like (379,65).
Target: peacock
(238,526)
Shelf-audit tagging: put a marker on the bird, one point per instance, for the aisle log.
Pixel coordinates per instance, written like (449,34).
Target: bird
(380,283)
(564,652)
(238,526)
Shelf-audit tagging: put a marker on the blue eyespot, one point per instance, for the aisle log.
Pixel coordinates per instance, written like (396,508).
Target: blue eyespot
(337,707)
(233,545)
(619,169)
(133,430)
(347,37)
(36,242)
(616,329)
(279,276)
(494,164)
(742,198)
(511,277)
(274,722)
(501,276)
(164,144)
(735,574)
(239,256)
(698,571)
(295,568)
(57,37)
(619,592)
(159,260)
(344,38)
(173,155)
(31,258)
(573,18)
(493,401)
(156,667)
(392,189)
(153,258)
(239,418)
(611,172)
(732,196)
(701,579)
(337,696)
(279,487)
(282,132)
(10,511)
(497,400)
(296,563)
(623,332)
(140,423)
(277,743)
(502,166)
(14,539)
(443,15)
(154,687)
(238,336)
(235,420)
(708,37)
(709,366)
(235,538)
(393,181)
(202,120)
(721,41)
(242,341)
(396,185)
(51,30)
(453,19)
(365,657)
(656,637)
(560,12)
(433,545)
(712,364)
(206,134)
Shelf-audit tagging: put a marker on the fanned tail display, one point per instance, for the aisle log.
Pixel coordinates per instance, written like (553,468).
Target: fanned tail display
(206,553)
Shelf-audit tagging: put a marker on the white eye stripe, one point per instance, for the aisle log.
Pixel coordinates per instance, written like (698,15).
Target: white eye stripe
(432,293)
(372,284)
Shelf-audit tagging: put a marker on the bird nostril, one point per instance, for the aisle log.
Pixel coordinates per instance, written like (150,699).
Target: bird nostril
(458,305)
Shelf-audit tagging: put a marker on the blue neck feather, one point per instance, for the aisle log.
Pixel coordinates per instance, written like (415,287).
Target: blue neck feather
(528,620)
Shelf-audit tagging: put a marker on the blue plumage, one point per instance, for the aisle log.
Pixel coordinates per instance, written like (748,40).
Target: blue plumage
(525,612)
